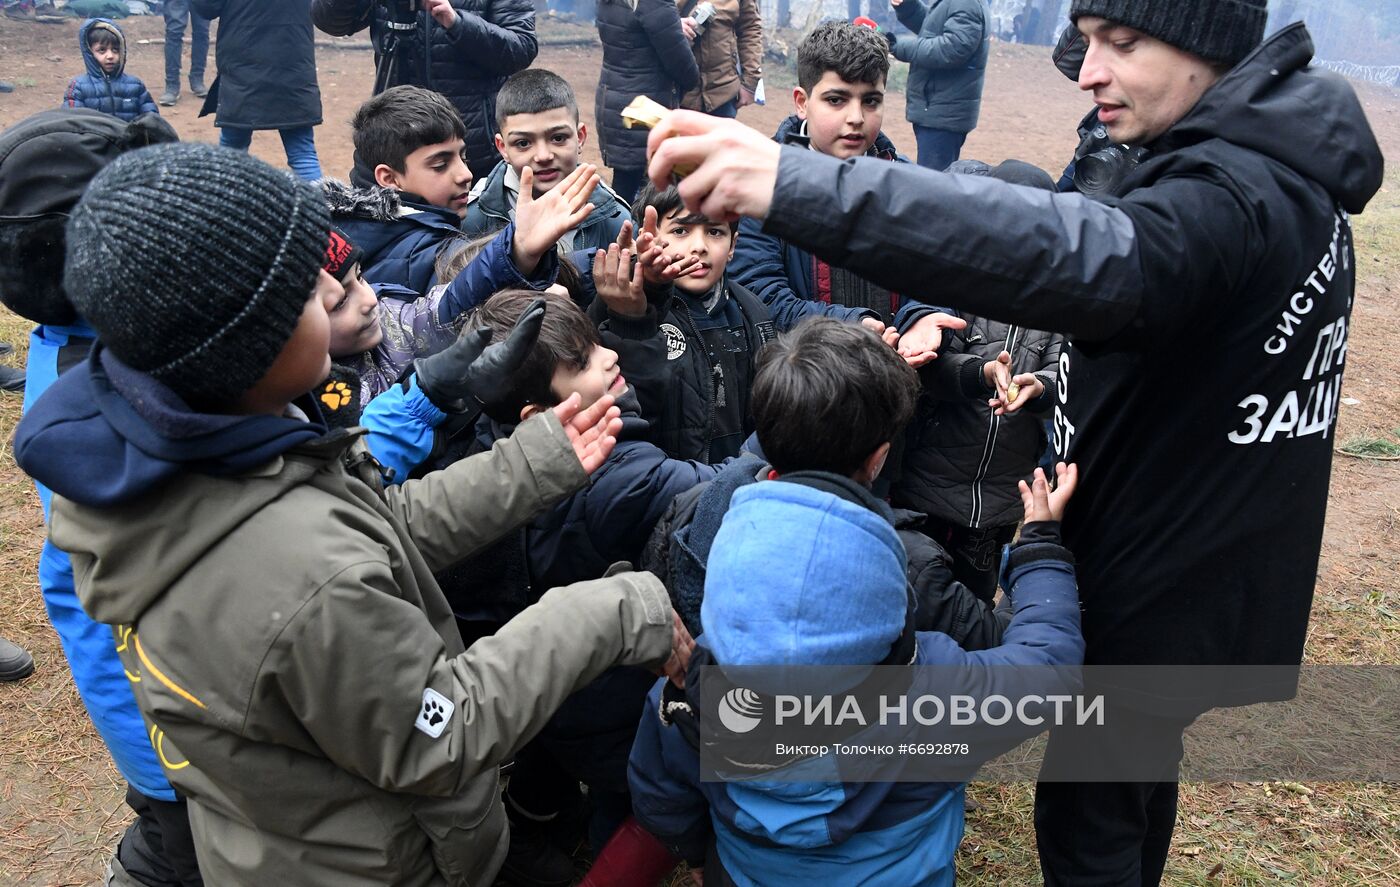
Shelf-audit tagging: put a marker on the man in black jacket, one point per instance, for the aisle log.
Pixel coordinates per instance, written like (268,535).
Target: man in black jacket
(464,49)
(1198,524)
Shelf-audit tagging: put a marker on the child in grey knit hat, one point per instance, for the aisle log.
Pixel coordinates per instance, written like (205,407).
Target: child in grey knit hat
(275,609)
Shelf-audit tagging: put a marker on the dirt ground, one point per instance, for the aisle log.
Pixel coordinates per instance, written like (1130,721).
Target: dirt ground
(60,798)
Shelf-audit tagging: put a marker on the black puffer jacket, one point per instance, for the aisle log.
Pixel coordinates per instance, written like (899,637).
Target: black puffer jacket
(644,53)
(1207,305)
(468,62)
(963,462)
(267,63)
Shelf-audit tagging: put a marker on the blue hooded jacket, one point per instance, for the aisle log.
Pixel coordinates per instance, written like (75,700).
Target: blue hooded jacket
(836,599)
(400,236)
(119,93)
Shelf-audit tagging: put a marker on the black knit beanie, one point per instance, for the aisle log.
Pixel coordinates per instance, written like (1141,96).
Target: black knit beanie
(193,263)
(1215,30)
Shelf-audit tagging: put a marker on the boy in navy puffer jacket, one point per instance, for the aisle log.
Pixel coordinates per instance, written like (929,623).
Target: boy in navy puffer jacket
(106,86)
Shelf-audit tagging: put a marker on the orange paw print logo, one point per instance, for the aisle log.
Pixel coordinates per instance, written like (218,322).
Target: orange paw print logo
(336,395)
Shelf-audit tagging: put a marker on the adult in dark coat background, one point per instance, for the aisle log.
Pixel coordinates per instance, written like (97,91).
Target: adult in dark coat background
(947,66)
(266,55)
(645,52)
(472,46)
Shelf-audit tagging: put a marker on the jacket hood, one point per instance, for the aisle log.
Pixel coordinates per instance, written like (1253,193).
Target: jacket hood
(829,590)
(373,203)
(489,196)
(790,132)
(90,60)
(134,435)
(1274,90)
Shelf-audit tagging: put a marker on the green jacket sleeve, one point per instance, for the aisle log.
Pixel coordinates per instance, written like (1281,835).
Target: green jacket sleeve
(454,513)
(364,674)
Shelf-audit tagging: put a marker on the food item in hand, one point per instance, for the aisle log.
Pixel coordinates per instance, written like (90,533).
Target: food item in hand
(643,112)
(1013,391)
(646,113)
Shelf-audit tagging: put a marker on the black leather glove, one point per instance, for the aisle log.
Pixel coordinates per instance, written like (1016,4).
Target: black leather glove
(466,376)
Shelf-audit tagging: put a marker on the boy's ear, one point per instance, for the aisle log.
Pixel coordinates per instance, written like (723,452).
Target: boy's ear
(529,410)
(873,465)
(799,101)
(501,145)
(385,176)
(582,136)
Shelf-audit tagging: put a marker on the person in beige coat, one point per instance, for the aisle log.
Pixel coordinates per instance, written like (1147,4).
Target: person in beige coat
(729,50)
(299,670)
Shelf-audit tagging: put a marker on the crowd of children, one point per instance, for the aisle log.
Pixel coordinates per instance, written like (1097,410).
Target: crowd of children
(358,478)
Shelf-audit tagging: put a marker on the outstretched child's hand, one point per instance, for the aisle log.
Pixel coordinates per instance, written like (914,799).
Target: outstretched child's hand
(1019,391)
(1040,502)
(619,283)
(541,221)
(658,267)
(592,432)
(920,343)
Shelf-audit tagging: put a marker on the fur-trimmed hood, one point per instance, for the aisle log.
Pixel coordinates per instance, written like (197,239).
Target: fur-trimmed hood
(344,199)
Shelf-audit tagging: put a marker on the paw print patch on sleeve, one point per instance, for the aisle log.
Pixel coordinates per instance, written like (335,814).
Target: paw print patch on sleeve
(435,712)
(336,395)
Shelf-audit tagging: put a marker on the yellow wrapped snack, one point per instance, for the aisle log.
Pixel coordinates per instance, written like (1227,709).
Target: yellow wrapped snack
(648,114)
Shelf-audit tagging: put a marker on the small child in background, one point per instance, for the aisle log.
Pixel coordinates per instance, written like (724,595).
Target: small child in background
(106,86)
(537,127)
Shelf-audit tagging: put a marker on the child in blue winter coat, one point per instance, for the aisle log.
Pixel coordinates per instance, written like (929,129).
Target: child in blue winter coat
(106,86)
(830,589)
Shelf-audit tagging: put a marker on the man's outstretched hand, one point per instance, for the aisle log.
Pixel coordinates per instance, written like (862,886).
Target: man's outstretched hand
(730,169)
(592,432)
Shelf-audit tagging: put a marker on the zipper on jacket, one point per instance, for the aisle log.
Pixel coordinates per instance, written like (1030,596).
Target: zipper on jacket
(993,426)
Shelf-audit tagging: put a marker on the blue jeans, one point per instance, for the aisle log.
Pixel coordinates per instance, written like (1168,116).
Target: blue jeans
(176,12)
(938,148)
(729,109)
(299,143)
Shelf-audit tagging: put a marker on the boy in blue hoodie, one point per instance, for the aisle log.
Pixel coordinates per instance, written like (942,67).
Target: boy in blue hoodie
(831,590)
(106,86)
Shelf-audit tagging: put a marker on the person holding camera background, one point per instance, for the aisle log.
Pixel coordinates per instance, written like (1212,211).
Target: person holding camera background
(723,32)
(464,49)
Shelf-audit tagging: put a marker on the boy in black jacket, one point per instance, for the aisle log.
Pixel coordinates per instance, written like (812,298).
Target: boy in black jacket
(688,343)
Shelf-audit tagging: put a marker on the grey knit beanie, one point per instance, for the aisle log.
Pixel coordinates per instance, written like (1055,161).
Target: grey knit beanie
(1215,30)
(193,263)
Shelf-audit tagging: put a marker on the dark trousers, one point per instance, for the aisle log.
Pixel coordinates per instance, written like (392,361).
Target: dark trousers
(1110,834)
(729,109)
(938,148)
(158,848)
(976,553)
(176,12)
(627,182)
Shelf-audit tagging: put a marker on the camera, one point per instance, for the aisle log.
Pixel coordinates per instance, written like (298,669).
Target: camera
(1100,165)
